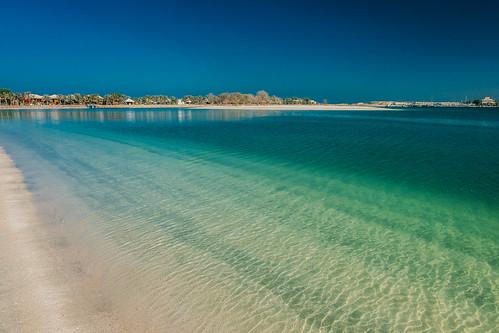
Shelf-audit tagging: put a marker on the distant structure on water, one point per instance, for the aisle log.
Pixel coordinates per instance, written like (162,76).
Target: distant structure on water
(488,101)
(485,102)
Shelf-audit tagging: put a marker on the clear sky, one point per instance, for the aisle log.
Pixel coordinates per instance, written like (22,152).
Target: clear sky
(335,50)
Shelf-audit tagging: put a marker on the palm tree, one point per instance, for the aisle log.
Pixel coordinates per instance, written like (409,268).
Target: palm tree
(114,99)
(6,96)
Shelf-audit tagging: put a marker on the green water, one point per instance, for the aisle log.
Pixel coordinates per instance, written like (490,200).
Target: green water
(227,221)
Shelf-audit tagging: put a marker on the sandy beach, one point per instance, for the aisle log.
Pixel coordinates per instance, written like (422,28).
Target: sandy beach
(42,286)
(321,107)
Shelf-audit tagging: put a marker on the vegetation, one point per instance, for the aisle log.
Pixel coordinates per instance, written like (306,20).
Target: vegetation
(113,99)
(7,97)
(156,99)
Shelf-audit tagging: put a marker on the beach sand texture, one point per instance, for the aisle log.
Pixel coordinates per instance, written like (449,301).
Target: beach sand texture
(42,288)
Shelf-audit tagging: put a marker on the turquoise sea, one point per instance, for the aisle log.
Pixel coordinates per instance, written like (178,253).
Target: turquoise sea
(268,221)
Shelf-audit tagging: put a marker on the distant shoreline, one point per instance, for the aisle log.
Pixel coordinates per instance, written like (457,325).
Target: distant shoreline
(322,107)
(273,107)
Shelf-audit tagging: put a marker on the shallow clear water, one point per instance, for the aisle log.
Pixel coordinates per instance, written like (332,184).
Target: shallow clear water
(281,221)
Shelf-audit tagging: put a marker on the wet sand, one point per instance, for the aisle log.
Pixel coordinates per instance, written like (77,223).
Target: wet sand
(43,286)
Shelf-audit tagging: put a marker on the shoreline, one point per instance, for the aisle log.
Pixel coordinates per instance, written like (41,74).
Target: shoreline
(275,107)
(44,288)
(97,288)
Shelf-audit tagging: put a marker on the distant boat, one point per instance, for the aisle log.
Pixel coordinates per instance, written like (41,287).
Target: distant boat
(91,106)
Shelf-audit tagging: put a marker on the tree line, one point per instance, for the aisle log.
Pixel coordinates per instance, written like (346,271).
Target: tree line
(8,97)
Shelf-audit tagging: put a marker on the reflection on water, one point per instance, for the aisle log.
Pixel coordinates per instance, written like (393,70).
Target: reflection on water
(239,221)
(176,115)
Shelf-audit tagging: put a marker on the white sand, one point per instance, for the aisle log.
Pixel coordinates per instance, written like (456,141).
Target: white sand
(42,288)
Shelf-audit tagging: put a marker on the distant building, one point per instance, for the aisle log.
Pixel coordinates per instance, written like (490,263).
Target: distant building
(33,99)
(129,101)
(54,99)
(488,101)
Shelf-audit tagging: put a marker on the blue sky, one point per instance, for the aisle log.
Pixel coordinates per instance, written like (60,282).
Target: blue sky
(335,50)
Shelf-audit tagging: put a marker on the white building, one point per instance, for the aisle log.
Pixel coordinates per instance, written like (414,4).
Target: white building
(129,101)
(33,99)
(488,101)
